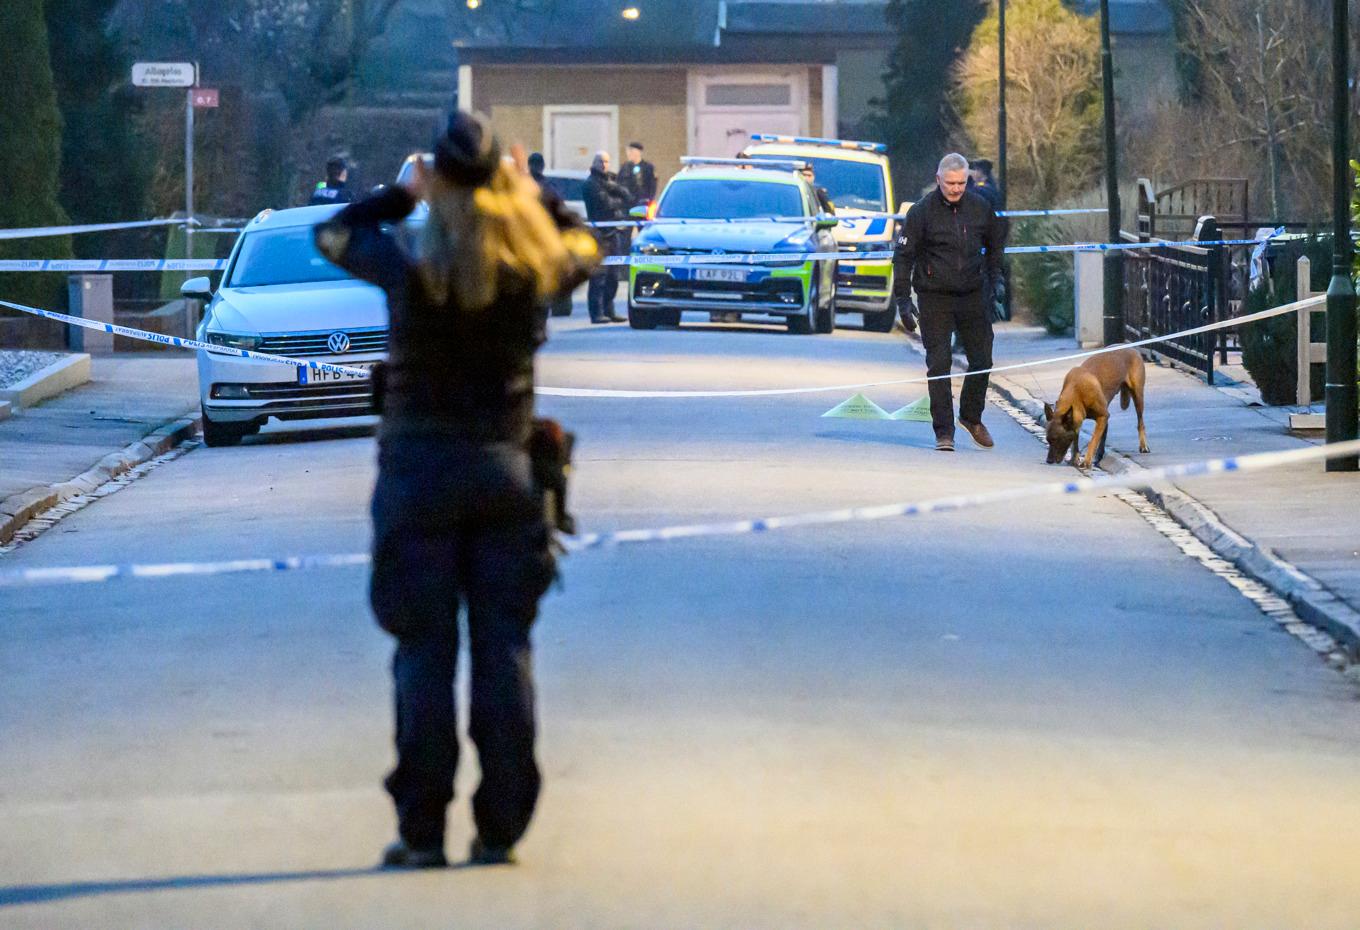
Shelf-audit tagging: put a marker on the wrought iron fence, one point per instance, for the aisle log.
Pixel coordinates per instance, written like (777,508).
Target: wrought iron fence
(1170,289)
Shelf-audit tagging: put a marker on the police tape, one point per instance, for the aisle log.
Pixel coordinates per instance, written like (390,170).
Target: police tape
(113,264)
(181,343)
(38,232)
(351,371)
(925,379)
(637,258)
(89,574)
(689,221)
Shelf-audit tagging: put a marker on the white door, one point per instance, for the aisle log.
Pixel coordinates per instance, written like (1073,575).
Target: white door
(572,135)
(730,106)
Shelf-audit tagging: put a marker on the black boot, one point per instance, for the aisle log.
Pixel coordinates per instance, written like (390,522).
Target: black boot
(401,856)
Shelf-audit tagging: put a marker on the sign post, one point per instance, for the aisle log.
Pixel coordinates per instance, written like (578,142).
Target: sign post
(178,74)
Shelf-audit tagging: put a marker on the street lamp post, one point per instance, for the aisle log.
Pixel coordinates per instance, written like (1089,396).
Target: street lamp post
(1001,103)
(1341,386)
(1114,264)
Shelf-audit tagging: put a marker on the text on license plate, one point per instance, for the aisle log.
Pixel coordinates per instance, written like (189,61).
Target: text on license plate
(719,274)
(317,376)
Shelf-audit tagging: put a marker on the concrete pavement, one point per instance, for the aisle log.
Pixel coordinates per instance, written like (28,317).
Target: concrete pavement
(1043,716)
(1301,516)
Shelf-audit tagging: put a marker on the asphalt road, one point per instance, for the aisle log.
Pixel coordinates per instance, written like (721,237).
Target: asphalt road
(1042,715)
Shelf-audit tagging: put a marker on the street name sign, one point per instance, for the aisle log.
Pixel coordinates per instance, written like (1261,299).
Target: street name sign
(164,74)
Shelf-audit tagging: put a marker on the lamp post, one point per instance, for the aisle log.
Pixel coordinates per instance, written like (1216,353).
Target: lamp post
(1114,259)
(1341,386)
(1001,103)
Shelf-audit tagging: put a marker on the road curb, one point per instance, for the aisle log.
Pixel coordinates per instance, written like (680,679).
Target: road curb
(57,378)
(18,509)
(1309,598)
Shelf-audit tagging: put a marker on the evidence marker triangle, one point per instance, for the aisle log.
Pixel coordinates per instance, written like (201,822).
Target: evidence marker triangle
(918,411)
(858,407)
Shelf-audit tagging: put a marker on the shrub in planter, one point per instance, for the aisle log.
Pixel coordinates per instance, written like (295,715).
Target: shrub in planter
(1044,283)
(1270,347)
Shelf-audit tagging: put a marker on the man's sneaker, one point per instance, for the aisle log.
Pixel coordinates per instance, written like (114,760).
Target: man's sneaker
(979,434)
(401,856)
(482,854)
(944,443)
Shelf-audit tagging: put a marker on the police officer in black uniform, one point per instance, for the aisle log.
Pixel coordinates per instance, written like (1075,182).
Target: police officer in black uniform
(334,189)
(639,176)
(949,250)
(458,521)
(606,201)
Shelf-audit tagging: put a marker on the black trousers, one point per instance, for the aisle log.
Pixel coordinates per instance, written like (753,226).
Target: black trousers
(460,526)
(943,315)
(603,288)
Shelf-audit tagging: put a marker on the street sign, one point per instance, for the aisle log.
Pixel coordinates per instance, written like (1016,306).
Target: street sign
(204,97)
(164,74)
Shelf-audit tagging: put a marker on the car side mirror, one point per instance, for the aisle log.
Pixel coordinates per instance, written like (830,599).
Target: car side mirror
(639,212)
(827,222)
(196,289)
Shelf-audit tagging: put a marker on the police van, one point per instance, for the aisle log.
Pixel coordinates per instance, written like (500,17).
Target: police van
(856,178)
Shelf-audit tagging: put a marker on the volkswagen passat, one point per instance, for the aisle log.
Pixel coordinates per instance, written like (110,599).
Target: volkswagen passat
(279,295)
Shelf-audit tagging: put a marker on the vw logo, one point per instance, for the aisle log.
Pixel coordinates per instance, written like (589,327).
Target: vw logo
(338,342)
(719,251)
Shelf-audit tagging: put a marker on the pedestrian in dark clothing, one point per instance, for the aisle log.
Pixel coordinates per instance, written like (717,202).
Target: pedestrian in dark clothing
(950,246)
(557,209)
(606,201)
(638,176)
(980,180)
(824,204)
(457,518)
(333,189)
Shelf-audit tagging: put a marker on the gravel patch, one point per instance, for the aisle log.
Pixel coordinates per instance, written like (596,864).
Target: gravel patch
(18,364)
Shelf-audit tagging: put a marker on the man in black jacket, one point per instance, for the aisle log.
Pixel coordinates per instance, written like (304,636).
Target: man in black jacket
(950,248)
(606,200)
(639,176)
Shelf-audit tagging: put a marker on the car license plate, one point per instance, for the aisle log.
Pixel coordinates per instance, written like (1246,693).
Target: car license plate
(316,376)
(720,274)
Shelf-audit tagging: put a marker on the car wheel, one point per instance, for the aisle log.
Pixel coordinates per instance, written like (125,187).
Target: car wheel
(670,317)
(880,322)
(216,435)
(640,318)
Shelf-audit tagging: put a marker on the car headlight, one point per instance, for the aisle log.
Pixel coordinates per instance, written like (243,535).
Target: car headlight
(651,248)
(884,245)
(235,340)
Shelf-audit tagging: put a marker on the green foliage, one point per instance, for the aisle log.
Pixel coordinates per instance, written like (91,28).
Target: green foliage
(1270,347)
(1044,282)
(30,150)
(910,117)
(103,178)
(1053,100)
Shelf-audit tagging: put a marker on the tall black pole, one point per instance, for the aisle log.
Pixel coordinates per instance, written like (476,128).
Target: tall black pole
(1001,103)
(1114,260)
(1341,386)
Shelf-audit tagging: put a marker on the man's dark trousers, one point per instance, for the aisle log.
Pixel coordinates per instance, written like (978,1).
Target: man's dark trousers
(604,283)
(942,315)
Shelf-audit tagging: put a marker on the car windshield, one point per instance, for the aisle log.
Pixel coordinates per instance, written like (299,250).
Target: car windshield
(281,256)
(566,188)
(851,185)
(714,199)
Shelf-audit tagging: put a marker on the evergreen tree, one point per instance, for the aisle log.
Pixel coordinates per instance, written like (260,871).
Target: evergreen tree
(30,149)
(102,176)
(910,117)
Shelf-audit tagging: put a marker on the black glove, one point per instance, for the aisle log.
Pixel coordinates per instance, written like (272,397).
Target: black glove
(906,310)
(999,299)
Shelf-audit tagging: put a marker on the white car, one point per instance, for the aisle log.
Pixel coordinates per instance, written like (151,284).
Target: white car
(279,295)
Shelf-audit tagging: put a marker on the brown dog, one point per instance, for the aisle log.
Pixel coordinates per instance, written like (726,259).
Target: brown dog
(1086,392)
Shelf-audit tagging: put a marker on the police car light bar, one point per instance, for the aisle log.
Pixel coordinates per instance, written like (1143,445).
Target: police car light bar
(877,147)
(782,164)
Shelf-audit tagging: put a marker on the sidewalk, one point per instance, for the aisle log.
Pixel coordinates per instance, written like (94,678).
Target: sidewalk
(134,408)
(1300,517)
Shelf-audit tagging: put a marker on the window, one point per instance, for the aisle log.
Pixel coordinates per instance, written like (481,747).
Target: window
(713,199)
(851,185)
(281,256)
(748,95)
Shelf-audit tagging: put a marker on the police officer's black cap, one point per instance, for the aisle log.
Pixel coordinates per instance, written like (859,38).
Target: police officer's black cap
(536,162)
(635,145)
(467,153)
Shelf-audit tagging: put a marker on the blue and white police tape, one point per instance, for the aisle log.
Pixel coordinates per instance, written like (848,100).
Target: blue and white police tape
(113,264)
(180,343)
(89,574)
(687,221)
(177,342)
(38,232)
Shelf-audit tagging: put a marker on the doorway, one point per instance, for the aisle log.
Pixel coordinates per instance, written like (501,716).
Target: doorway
(573,134)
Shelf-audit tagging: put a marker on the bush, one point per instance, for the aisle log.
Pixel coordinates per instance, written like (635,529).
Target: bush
(1044,283)
(1270,347)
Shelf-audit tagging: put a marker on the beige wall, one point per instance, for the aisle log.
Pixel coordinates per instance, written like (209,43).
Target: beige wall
(814,123)
(651,101)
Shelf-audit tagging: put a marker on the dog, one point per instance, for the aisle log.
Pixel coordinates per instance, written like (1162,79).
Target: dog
(1086,393)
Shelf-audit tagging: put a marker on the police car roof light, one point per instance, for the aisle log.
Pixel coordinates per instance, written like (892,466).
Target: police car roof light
(780,164)
(262,215)
(877,147)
